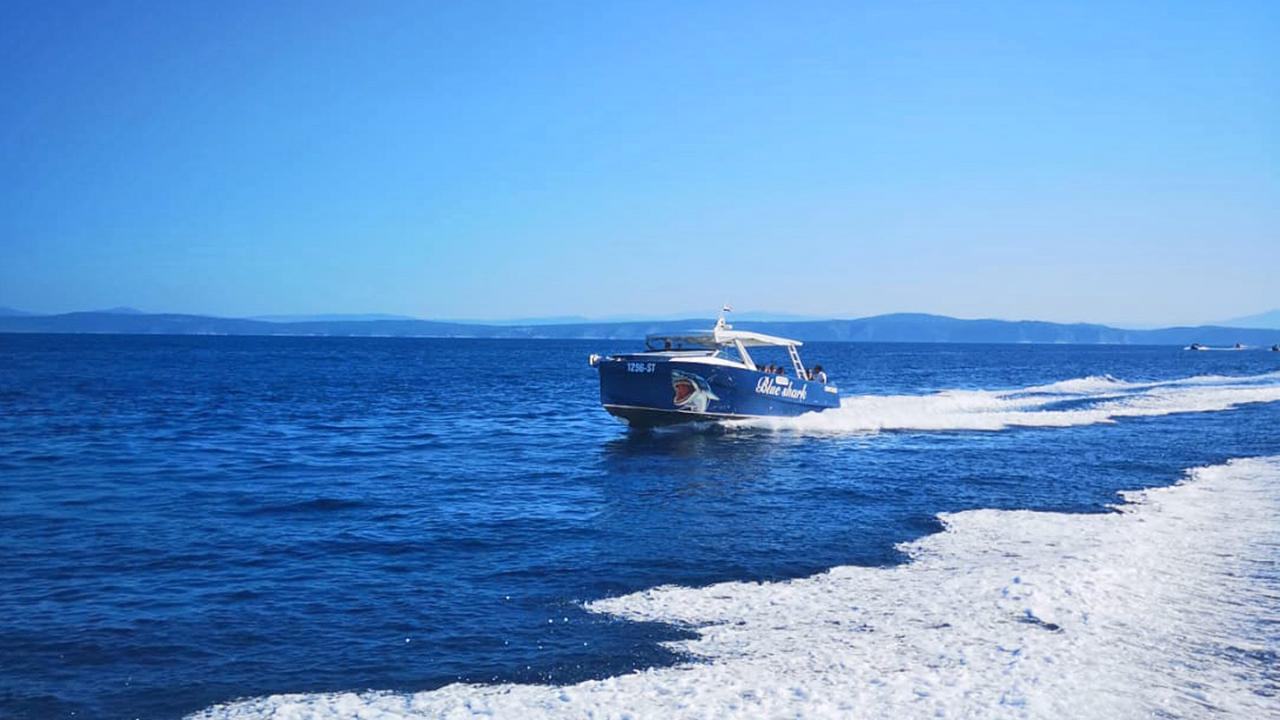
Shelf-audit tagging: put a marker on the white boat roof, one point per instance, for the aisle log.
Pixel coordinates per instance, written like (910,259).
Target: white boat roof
(720,336)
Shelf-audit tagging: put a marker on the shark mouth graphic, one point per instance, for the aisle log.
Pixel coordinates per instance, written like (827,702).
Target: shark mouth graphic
(692,392)
(684,390)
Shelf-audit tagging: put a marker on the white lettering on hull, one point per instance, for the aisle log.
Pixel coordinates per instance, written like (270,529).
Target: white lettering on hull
(767,386)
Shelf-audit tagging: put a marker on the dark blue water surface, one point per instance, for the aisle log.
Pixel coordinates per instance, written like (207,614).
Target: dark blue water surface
(187,520)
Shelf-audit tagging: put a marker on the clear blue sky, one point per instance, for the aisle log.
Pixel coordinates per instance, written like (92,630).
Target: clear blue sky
(1116,162)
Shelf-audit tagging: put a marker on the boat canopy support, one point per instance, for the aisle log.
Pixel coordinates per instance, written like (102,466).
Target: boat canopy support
(723,335)
(746,356)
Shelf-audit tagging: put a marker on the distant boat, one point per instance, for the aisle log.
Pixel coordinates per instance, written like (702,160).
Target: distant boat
(1196,346)
(1275,348)
(708,375)
(1238,346)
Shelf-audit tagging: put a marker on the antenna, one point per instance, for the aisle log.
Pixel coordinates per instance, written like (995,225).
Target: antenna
(720,323)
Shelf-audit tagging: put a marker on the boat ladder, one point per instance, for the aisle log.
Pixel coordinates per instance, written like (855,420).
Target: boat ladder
(795,360)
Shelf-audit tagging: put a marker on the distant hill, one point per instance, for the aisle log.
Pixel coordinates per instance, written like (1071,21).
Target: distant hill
(176,324)
(339,317)
(904,327)
(12,312)
(680,317)
(121,310)
(1269,320)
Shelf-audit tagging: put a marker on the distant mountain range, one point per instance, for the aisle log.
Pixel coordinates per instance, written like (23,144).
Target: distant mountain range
(1269,320)
(679,317)
(902,327)
(14,312)
(361,317)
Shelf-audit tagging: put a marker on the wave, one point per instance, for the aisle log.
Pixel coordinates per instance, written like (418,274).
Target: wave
(1167,607)
(1081,401)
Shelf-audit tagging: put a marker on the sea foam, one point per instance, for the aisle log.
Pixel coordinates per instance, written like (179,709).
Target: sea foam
(1081,401)
(1168,607)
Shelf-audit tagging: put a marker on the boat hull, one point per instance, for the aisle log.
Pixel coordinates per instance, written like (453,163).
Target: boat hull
(646,391)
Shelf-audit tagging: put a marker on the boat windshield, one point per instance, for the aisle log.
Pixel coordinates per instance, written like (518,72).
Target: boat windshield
(679,342)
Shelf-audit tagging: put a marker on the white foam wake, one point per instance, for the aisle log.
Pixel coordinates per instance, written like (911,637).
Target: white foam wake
(1160,609)
(1092,400)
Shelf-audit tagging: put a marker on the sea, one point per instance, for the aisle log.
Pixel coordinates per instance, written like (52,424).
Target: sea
(316,527)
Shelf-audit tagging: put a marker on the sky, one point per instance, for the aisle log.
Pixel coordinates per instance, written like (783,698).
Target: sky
(1110,162)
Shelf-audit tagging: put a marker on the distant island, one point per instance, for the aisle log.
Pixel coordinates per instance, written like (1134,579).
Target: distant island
(900,327)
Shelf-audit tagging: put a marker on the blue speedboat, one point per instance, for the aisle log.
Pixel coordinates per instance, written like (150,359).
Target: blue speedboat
(708,375)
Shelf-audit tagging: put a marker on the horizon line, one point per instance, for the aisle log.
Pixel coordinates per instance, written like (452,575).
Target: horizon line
(556,320)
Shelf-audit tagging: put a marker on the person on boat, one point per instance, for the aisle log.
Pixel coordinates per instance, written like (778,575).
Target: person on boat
(818,374)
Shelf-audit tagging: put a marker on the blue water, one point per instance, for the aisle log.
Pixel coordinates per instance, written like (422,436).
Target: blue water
(187,520)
